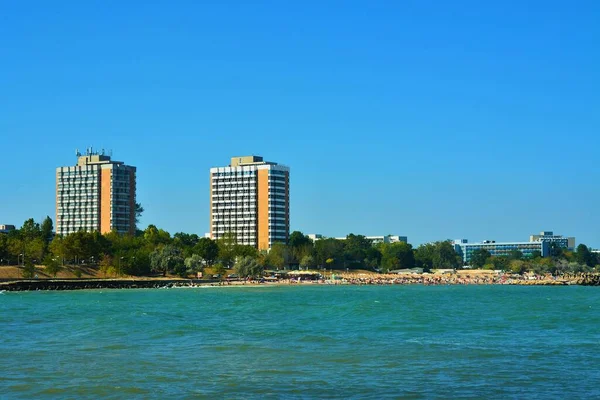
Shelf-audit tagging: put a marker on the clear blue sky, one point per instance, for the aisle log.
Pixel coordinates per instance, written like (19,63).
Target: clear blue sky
(431,119)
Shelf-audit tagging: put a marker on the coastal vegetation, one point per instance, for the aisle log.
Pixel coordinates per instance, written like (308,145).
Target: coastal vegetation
(155,251)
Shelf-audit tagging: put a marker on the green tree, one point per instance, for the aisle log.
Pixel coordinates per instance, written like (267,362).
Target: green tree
(181,270)
(329,248)
(501,263)
(518,266)
(15,246)
(245,251)
(515,255)
(28,271)
(424,255)
(52,266)
(155,237)
(300,245)
(30,230)
(29,242)
(139,210)
(479,257)
(372,258)
(248,266)
(445,257)
(569,255)
(34,249)
(307,262)
(58,248)
(107,264)
(82,246)
(227,246)
(536,254)
(185,240)
(398,255)
(220,270)
(3,249)
(167,259)
(355,250)
(194,263)
(139,262)
(278,257)
(298,253)
(584,256)
(207,249)
(46,230)
(298,239)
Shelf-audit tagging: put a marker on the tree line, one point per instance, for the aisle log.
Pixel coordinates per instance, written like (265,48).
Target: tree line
(155,251)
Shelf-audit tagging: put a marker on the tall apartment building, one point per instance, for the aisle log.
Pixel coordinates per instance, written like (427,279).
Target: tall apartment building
(251,199)
(97,194)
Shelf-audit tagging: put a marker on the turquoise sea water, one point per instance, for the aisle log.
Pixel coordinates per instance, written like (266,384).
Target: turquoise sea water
(302,342)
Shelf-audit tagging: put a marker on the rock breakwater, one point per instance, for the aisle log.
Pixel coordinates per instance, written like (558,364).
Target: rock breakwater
(81,284)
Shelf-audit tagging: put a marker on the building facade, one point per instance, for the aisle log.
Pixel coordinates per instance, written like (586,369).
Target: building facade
(250,198)
(549,236)
(387,239)
(97,194)
(374,239)
(6,228)
(465,249)
(315,236)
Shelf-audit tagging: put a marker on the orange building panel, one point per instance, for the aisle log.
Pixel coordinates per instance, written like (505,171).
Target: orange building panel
(263,209)
(105,179)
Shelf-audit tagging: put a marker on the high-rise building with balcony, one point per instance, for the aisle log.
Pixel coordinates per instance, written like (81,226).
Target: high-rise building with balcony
(97,194)
(251,199)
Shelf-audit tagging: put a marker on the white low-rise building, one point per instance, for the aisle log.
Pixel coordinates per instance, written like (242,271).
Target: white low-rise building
(374,239)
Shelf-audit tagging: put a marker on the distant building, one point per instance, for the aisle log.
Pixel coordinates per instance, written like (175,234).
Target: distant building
(374,239)
(406,271)
(387,239)
(549,236)
(465,249)
(97,194)
(251,199)
(6,228)
(315,236)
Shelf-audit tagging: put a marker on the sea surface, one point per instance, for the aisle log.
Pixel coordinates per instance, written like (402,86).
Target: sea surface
(302,342)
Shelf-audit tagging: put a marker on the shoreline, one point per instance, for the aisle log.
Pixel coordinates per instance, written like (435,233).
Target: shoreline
(18,285)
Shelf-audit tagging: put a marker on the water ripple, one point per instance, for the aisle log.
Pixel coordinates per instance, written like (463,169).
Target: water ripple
(302,342)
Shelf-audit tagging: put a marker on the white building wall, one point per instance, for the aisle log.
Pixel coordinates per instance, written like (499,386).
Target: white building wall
(234,203)
(78,199)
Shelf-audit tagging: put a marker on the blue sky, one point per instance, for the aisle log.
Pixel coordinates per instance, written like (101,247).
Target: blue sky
(430,119)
